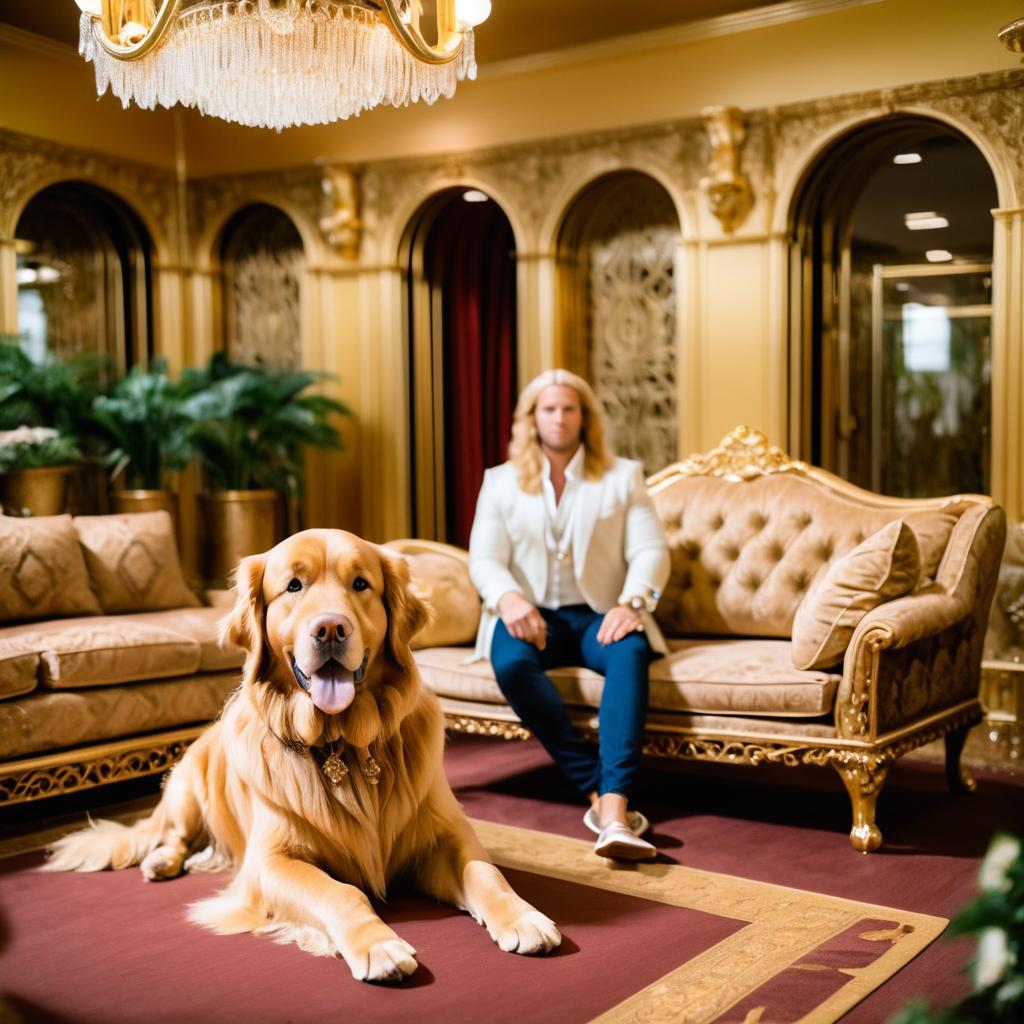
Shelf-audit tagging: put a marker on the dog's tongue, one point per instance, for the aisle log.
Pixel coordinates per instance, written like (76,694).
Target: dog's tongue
(332,689)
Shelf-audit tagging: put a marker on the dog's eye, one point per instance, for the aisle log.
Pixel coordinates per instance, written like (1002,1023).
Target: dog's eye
(360,583)
(294,585)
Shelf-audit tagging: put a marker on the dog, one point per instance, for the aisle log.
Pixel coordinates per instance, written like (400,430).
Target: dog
(322,780)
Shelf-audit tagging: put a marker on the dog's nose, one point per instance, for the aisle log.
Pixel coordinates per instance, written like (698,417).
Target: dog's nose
(327,629)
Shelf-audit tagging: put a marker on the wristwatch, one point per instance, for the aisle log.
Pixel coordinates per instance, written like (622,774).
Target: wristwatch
(644,602)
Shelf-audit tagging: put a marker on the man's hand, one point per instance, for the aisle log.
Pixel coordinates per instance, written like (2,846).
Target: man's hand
(522,620)
(618,622)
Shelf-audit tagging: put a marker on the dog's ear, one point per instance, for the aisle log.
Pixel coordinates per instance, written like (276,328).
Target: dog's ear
(244,626)
(407,614)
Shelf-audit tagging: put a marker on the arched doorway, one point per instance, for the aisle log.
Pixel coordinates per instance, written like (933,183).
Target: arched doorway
(891,271)
(84,275)
(617,251)
(262,264)
(458,255)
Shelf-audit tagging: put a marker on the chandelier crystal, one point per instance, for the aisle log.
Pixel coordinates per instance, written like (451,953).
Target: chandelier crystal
(275,63)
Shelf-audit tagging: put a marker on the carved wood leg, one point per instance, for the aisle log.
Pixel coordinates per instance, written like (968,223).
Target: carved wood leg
(958,778)
(863,782)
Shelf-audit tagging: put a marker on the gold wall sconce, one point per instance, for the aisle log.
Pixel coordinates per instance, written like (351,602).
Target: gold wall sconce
(730,196)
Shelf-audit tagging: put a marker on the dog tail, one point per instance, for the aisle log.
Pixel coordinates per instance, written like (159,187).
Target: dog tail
(105,844)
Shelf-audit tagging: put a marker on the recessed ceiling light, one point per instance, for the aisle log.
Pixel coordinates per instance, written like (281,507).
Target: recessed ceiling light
(907,158)
(938,256)
(925,221)
(474,195)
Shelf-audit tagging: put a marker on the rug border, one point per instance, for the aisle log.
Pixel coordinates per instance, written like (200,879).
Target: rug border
(709,984)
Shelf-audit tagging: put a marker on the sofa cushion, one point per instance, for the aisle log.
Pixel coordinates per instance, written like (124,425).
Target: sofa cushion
(441,578)
(105,650)
(736,677)
(133,562)
(19,667)
(932,528)
(884,566)
(201,625)
(51,720)
(42,572)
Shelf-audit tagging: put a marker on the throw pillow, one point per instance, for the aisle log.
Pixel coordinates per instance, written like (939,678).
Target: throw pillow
(42,572)
(884,566)
(442,581)
(133,562)
(932,528)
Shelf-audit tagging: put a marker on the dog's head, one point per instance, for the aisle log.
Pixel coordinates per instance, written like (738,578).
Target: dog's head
(325,619)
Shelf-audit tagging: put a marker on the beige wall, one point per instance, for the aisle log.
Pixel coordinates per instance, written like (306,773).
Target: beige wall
(49,91)
(732,335)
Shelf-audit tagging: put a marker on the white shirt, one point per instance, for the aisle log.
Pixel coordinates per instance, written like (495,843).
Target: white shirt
(562,588)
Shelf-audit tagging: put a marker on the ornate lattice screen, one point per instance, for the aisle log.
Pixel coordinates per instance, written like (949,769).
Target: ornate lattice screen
(630,244)
(264,263)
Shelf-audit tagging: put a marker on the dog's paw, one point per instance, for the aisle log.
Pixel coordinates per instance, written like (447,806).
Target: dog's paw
(209,859)
(162,863)
(529,933)
(387,961)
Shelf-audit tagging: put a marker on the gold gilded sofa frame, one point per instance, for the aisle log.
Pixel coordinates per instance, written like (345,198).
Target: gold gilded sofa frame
(860,753)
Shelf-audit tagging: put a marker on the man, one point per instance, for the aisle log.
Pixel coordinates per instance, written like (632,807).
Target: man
(570,558)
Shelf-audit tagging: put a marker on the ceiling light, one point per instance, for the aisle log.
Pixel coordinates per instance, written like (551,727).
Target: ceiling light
(472,12)
(474,195)
(902,286)
(278,63)
(26,275)
(907,158)
(925,221)
(938,256)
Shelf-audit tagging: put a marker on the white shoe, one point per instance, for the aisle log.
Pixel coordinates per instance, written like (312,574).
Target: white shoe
(638,823)
(619,843)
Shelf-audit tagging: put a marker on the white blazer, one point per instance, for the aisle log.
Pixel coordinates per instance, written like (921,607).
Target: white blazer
(618,545)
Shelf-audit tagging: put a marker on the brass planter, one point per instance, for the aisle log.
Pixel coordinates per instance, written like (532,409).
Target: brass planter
(235,524)
(140,500)
(36,492)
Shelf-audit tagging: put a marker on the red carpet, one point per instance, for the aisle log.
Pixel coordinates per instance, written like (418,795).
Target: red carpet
(92,948)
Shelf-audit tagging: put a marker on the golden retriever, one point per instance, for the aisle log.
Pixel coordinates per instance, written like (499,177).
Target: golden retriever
(323,778)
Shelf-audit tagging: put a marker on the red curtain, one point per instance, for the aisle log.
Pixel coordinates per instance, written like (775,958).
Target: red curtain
(473,263)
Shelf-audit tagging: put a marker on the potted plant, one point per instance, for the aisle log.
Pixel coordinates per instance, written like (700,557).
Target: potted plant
(42,413)
(250,425)
(143,422)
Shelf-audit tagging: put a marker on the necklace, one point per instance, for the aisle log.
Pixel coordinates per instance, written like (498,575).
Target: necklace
(334,768)
(561,533)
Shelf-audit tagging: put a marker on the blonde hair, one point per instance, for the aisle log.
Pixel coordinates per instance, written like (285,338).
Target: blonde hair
(524,450)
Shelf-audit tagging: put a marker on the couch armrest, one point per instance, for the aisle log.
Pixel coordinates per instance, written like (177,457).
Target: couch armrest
(922,653)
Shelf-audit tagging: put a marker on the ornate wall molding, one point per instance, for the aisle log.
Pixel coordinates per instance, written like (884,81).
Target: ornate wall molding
(29,164)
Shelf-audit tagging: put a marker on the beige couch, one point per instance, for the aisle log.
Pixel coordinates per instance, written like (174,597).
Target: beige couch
(810,622)
(109,664)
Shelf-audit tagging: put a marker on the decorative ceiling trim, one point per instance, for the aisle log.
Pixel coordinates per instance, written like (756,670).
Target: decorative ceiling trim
(36,43)
(666,38)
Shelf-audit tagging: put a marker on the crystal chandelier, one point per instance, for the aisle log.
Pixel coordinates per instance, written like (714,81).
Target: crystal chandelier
(278,63)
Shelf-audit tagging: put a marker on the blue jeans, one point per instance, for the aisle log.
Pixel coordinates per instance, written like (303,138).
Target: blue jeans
(572,640)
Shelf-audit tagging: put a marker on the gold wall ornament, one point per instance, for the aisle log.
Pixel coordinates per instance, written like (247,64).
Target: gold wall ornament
(340,223)
(742,454)
(1012,35)
(728,188)
(277,63)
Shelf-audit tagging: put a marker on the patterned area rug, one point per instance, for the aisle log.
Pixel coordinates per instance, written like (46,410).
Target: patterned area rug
(652,943)
(799,956)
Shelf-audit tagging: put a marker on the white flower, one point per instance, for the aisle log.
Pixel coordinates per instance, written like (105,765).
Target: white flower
(26,435)
(994,957)
(1002,852)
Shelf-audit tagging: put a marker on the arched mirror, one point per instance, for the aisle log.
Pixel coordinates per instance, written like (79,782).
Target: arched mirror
(891,262)
(84,269)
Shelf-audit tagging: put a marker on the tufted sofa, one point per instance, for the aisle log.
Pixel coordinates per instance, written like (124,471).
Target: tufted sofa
(783,648)
(109,665)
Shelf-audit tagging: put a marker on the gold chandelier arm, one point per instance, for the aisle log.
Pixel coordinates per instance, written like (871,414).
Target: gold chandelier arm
(449,38)
(154,33)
